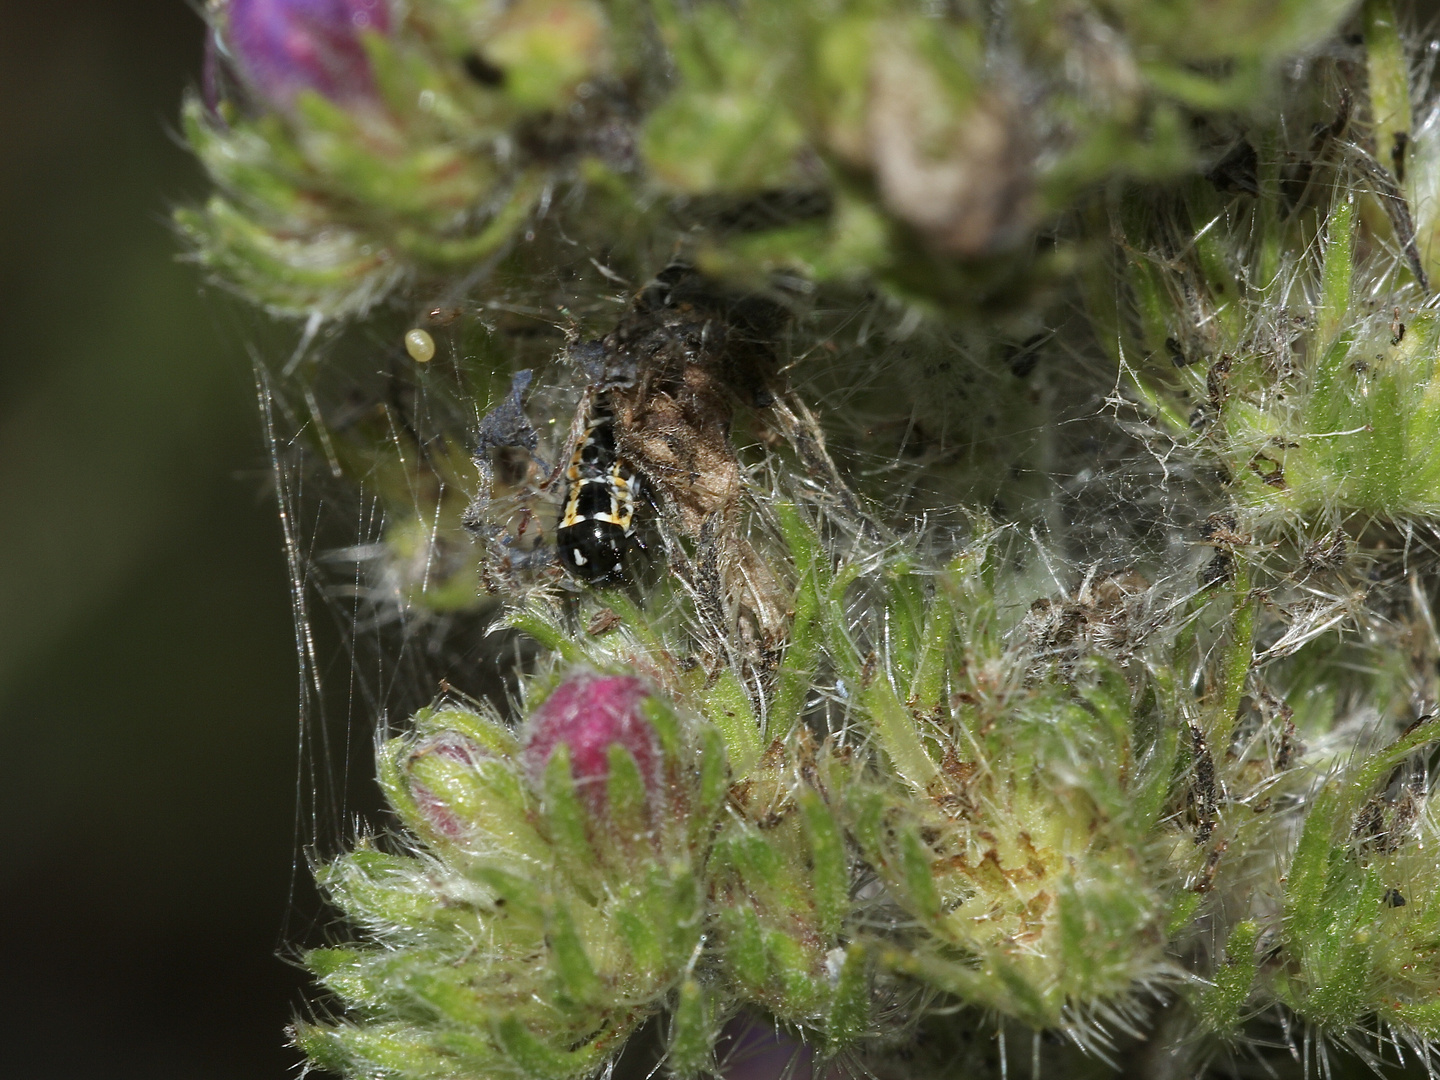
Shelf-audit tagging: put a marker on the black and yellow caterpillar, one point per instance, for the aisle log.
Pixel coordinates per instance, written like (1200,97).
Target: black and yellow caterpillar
(597,520)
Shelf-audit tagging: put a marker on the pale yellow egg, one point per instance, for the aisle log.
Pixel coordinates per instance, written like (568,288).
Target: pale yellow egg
(420,345)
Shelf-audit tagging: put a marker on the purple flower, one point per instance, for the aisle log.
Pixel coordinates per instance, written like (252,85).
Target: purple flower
(281,47)
(590,714)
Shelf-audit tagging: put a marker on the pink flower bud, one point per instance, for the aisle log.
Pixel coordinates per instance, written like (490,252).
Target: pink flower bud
(436,811)
(590,714)
(282,47)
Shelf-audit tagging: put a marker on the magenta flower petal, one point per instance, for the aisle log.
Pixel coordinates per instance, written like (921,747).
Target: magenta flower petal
(282,47)
(590,714)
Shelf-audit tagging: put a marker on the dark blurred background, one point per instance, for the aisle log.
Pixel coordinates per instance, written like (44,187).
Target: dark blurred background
(147,680)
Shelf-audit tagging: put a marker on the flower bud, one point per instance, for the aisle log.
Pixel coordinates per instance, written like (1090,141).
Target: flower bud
(282,47)
(589,714)
(455,756)
(454,782)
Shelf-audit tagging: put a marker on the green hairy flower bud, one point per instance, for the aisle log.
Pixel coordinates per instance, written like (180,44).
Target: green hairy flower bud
(567,853)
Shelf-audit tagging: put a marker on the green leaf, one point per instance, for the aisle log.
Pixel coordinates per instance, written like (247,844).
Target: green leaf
(566,816)
(1234,977)
(539,1061)
(628,800)
(690,1051)
(794,679)
(830,874)
(896,732)
(1337,269)
(744,941)
(921,896)
(727,706)
(849,1015)
(575,975)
